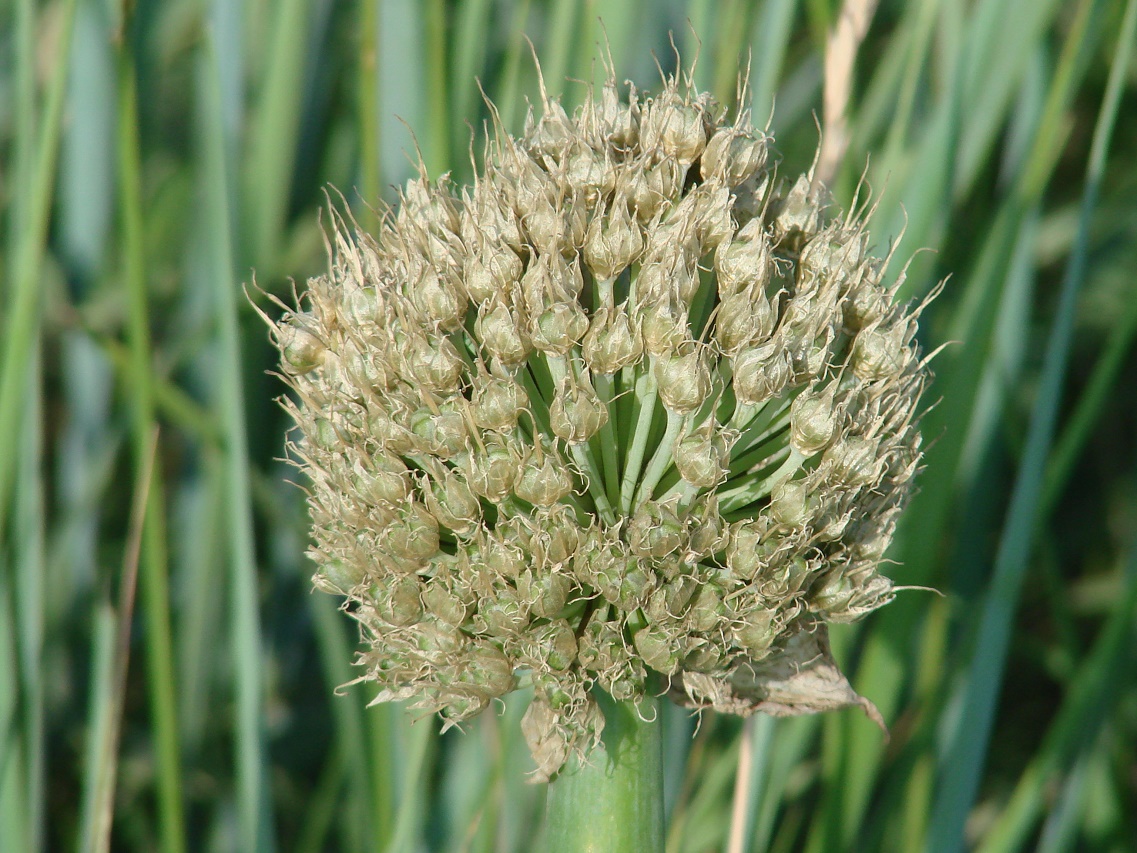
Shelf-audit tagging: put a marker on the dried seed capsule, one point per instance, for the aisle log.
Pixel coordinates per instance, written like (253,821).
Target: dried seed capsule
(440,433)
(442,303)
(878,353)
(744,320)
(489,670)
(745,262)
(443,604)
(554,645)
(547,592)
(493,272)
(798,213)
(855,460)
(544,482)
(435,365)
(708,533)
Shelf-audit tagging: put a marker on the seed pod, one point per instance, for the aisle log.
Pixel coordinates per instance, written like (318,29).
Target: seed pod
(452,502)
(878,353)
(677,129)
(624,581)
(558,328)
(488,670)
(708,533)
(493,272)
(506,557)
(414,536)
(500,330)
(554,645)
(494,469)
(702,457)
(440,432)
(576,413)
(812,421)
(655,530)
(792,504)
(399,600)
(664,328)
(745,319)
(797,214)
(684,380)
(612,242)
(443,604)
(610,343)
(658,649)
(744,263)
(442,302)
(732,156)
(624,681)
(761,373)
(544,483)
(756,632)
(547,592)
(300,350)
(338,576)
(497,403)
(435,365)
(855,460)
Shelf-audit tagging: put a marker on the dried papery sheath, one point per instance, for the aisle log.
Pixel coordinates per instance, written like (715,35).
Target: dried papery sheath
(628,413)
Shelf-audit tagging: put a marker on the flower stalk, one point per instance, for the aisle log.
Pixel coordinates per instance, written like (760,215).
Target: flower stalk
(612,800)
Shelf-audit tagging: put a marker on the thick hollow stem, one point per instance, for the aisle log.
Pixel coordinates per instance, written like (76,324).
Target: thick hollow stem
(612,802)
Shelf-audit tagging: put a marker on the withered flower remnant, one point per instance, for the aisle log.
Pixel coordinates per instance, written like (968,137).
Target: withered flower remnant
(628,413)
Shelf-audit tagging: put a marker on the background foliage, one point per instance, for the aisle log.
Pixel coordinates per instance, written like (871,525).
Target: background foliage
(156,154)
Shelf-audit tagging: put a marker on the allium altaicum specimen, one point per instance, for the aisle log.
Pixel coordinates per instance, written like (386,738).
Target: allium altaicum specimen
(630,412)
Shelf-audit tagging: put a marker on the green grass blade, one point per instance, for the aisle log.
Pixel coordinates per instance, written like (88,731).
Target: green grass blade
(770,41)
(98,760)
(1090,698)
(438,118)
(469,51)
(367,107)
(966,744)
(256,832)
(155,584)
(29,230)
(274,131)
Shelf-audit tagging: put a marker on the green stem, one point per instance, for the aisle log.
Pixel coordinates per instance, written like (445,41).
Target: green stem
(646,392)
(613,802)
(662,458)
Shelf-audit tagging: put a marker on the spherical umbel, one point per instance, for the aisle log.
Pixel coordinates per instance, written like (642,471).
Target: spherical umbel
(628,413)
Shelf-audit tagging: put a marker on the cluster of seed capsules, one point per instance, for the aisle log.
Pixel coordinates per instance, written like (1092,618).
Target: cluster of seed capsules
(627,410)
